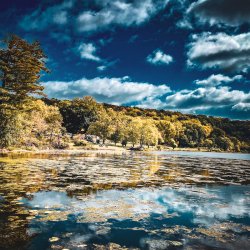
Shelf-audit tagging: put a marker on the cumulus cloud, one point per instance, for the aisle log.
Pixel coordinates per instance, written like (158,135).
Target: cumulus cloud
(206,98)
(215,80)
(88,51)
(242,106)
(124,91)
(230,53)
(226,12)
(105,15)
(111,90)
(159,58)
(118,13)
(40,19)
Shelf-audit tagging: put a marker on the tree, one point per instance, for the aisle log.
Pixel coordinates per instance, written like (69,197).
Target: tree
(142,131)
(43,124)
(35,124)
(194,133)
(224,143)
(104,126)
(79,113)
(133,130)
(169,131)
(173,143)
(10,127)
(119,127)
(149,133)
(21,64)
(208,143)
(237,144)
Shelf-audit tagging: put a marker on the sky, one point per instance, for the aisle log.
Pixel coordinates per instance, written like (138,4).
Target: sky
(191,56)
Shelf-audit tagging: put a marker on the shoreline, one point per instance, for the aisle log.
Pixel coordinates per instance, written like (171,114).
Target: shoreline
(101,150)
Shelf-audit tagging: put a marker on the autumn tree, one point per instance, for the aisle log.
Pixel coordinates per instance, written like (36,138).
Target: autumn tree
(104,126)
(148,133)
(11,124)
(194,133)
(35,125)
(21,65)
(133,130)
(119,123)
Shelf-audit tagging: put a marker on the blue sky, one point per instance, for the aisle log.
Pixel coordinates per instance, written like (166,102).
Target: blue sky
(190,56)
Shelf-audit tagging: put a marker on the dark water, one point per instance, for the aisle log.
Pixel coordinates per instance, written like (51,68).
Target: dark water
(131,201)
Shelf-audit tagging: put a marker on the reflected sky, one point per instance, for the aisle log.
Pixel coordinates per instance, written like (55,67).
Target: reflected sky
(206,204)
(173,217)
(139,201)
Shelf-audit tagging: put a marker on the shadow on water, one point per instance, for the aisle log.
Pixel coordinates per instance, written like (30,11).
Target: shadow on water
(130,201)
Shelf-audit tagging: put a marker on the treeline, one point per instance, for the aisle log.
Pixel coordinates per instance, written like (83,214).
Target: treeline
(152,127)
(27,120)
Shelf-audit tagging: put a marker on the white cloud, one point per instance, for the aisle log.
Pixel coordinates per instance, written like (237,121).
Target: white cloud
(107,15)
(184,23)
(153,103)
(107,64)
(88,52)
(40,19)
(101,68)
(118,13)
(231,53)
(111,90)
(215,80)
(222,12)
(121,91)
(159,58)
(206,98)
(60,17)
(201,100)
(241,106)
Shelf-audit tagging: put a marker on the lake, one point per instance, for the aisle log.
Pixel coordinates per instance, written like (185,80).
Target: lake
(152,200)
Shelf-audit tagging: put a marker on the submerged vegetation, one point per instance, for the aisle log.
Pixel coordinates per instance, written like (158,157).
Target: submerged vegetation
(28,119)
(157,200)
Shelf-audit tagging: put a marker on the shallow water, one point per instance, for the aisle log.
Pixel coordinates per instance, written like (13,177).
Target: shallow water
(236,156)
(129,201)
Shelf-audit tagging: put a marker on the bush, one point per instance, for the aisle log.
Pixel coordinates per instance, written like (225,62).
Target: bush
(60,145)
(80,143)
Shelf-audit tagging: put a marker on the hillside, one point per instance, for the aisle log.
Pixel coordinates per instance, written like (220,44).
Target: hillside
(175,129)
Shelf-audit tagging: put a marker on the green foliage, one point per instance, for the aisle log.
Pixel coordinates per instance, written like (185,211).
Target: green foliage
(173,143)
(224,143)
(33,125)
(10,127)
(78,114)
(79,143)
(104,126)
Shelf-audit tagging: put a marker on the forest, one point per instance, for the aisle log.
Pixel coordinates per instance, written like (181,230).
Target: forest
(28,119)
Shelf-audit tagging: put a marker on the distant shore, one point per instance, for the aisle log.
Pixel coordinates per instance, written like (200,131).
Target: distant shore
(96,149)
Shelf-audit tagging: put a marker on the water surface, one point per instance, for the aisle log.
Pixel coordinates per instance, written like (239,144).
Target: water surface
(130,201)
(236,156)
